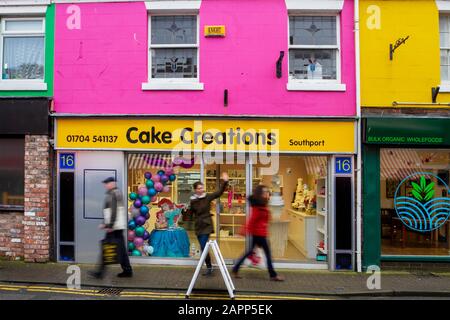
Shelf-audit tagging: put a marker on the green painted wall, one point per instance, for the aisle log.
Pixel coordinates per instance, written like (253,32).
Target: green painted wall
(49,58)
(371,206)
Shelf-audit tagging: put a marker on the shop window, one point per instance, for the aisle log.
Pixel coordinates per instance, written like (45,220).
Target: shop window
(314,50)
(173,52)
(299,207)
(415,205)
(230,210)
(159,190)
(12,173)
(23,48)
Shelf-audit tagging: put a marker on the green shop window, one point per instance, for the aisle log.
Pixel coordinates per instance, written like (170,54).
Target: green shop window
(414,202)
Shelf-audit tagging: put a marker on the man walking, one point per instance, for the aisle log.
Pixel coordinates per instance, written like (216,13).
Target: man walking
(115,222)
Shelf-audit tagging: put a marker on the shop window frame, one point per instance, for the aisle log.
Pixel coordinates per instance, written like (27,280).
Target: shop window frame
(22,84)
(313,84)
(392,257)
(16,208)
(445,83)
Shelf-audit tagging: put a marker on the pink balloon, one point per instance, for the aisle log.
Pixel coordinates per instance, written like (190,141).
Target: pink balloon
(138,241)
(156,178)
(169,172)
(166,189)
(143,191)
(154,198)
(131,235)
(159,186)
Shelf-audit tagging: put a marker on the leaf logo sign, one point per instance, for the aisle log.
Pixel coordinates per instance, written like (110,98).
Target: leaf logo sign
(422,211)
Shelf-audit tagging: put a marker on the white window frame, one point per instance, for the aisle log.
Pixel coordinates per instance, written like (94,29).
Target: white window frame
(172,83)
(445,84)
(21,84)
(317,85)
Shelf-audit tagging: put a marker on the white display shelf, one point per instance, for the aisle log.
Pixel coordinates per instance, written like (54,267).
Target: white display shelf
(322,214)
(236,239)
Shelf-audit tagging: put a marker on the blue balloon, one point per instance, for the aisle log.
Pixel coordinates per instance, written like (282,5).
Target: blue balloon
(172,177)
(149,184)
(152,192)
(144,210)
(161,172)
(131,225)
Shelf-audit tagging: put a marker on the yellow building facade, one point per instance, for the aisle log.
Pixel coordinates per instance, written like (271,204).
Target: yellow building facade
(405,77)
(405,98)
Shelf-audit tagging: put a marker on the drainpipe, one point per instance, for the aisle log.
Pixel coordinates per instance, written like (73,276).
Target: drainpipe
(359,142)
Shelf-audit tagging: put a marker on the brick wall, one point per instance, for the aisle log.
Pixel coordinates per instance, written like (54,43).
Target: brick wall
(36,219)
(11,234)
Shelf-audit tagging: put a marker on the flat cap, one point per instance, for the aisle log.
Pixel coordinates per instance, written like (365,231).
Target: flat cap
(109,179)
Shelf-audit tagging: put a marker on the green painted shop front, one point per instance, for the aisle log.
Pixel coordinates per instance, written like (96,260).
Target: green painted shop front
(394,150)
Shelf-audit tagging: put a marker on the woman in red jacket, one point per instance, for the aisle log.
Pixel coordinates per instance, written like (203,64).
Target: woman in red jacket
(257,229)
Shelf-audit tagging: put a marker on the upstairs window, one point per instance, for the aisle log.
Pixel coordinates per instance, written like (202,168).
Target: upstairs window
(314,48)
(444,32)
(174,47)
(23,42)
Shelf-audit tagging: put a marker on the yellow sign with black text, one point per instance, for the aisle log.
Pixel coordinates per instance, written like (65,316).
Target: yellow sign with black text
(214,31)
(206,135)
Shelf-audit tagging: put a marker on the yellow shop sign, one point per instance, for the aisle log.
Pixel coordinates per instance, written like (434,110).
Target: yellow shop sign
(206,135)
(214,31)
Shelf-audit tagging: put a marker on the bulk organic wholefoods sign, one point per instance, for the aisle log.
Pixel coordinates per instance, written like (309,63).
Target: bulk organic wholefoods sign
(205,135)
(408,131)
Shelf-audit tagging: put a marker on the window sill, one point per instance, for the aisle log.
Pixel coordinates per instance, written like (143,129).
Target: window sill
(303,86)
(155,85)
(444,87)
(11,208)
(17,85)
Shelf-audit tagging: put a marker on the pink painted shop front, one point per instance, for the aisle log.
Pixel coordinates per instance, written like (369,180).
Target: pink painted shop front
(101,64)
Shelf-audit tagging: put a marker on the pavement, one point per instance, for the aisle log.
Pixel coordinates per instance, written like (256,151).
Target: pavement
(315,283)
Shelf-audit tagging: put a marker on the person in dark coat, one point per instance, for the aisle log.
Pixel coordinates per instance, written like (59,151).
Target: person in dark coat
(115,224)
(200,207)
(257,228)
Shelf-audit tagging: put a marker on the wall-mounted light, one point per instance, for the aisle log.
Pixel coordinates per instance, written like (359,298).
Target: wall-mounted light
(225,98)
(393,47)
(279,64)
(434,93)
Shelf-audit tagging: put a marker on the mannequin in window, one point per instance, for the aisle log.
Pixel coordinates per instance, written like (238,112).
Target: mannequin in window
(314,68)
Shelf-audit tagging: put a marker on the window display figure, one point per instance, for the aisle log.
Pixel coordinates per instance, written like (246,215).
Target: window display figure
(314,71)
(200,206)
(168,239)
(170,212)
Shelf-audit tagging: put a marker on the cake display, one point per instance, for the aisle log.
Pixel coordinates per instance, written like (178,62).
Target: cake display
(299,201)
(276,201)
